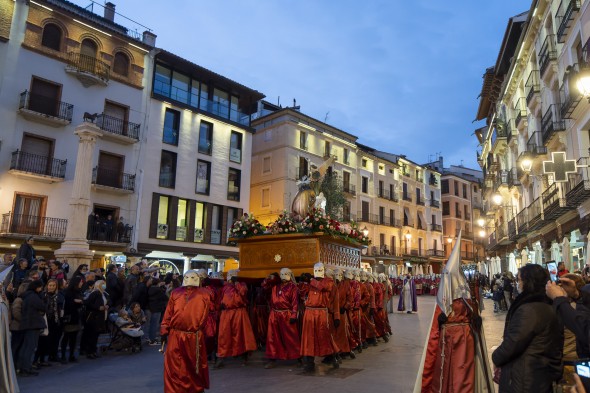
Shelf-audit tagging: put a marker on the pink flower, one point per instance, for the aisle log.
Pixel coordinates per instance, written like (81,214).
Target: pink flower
(280,229)
(244,232)
(255,231)
(321,227)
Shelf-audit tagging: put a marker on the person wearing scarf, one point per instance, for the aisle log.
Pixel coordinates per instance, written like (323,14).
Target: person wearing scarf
(530,354)
(54,301)
(94,323)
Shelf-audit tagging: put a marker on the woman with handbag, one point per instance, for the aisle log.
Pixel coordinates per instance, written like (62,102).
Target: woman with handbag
(48,344)
(529,358)
(96,315)
(72,323)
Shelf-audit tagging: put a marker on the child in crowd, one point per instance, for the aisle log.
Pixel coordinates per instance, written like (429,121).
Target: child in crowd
(497,295)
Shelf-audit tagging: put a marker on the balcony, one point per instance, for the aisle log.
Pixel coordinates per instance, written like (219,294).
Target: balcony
(407,197)
(420,200)
(492,241)
(564,16)
(89,70)
(458,214)
(46,110)
(416,252)
(435,203)
(532,88)
(109,232)
(394,223)
(112,180)
(547,54)
(45,227)
(511,130)
(514,177)
(535,213)
(522,222)
(432,180)
(35,166)
(512,234)
(467,216)
(551,123)
(303,145)
(578,187)
(117,129)
(467,255)
(367,217)
(554,202)
(383,220)
(534,146)
(499,135)
(386,194)
(436,227)
(569,95)
(349,188)
(521,112)
(300,172)
(501,179)
(435,253)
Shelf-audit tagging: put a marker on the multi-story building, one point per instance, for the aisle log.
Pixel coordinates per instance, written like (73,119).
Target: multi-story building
(394,199)
(534,146)
(195,175)
(62,64)
(461,210)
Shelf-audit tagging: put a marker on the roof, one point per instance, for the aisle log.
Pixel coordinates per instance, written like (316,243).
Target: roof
(205,75)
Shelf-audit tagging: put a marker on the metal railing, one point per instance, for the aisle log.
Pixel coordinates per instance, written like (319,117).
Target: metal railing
(420,200)
(522,222)
(368,217)
(407,197)
(564,16)
(501,179)
(467,254)
(435,203)
(117,126)
(436,227)
(520,110)
(547,53)
(40,165)
(569,95)
(23,224)
(349,188)
(514,177)
(105,231)
(512,228)
(532,86)
(432,180)
(89,64)
(535,145)
(551,122)
(113,178)
(510,130)
(458,214)
(435,253)
(46,106)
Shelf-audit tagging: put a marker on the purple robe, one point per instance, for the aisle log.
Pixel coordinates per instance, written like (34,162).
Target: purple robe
(405,307)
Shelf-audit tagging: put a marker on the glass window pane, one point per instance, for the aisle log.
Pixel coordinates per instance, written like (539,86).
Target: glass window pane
(194,94)
(162,80)
(199,222)
(171,127)
(220,103)
(205,134)
(204,100)
(168,169)
(203,174)
(233,187)
(162,231)
(180,84)
(235,151)
(181,220)
(215,225)
(234,113)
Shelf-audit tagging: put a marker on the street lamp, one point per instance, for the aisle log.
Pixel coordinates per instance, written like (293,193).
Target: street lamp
(526,165)
(449,240)
(365,231)
(480,222)
(497,198)
(482,233)
(408,237)
(583,82)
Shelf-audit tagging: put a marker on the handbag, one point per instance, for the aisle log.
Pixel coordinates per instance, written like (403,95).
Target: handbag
(45,332)
(497,375)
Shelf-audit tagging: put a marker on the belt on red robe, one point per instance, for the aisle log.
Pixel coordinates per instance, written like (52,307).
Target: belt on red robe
(196,333)
(281,309)
(317,308)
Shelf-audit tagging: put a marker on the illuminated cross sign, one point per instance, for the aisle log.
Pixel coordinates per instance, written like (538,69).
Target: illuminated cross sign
(559,167)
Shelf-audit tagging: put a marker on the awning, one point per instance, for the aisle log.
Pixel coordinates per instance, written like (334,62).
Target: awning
(165,255)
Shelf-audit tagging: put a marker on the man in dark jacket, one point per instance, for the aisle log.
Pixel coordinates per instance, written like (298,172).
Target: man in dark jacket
(27,251)
(157,301)
(130,284)
(32,323)
(113,286)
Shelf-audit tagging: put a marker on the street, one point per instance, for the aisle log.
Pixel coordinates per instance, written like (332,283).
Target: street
(389,367)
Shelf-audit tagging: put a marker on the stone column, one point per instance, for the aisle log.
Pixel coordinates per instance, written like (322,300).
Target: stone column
(75,248)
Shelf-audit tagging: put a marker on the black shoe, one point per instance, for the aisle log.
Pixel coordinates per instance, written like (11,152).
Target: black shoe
(219,363)
(73,359)
(385,338)
(409,312)
(270,364)
(352,355)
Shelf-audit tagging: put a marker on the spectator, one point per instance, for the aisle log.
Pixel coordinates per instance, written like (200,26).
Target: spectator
(157,301)
(140,295)
(71,320)
(136,314)
(114,288)
(32,323)
(497,295)
(530,354)
(96,315)
(54,300)
(65,266)
(81,271)
(507,288)
(99,274)
(561,270)
(89,280)
(43,270)
(55,271)
(130,283)
(20,274)
(109,224)
(16,308)
(27,251)
(120,230)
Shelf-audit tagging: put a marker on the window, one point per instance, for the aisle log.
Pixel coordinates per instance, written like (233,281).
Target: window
(203,177)
(456,188)
(162,228)
(205,138)
(180,87)
(115,118)
(235,147)
(382,242)
(327,149)
(364,211)
(51,37)
(265,197)
(391,217)
(171,127)
(110,170)
(88,48)
(220,102)
(216,220)
(36,155)
(182,220)
(231,216)
(303,168)
(121,64)
(200,220)
(444,185)
(346,211)
(364,162)
(457,210)
(381,215)
(433,219)
(365,185)
(446,209)
(233,184)
(393,246)
(168,169)
(302,140)
(381,186)
(162,80)
(346,157)
(44,97)
(266,165)
(465,191)
(29,211)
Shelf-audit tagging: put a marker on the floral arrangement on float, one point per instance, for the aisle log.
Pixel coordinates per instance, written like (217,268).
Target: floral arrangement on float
(247,226)
(286,223)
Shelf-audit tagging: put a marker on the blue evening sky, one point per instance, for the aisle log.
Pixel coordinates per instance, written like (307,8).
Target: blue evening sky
(402,75)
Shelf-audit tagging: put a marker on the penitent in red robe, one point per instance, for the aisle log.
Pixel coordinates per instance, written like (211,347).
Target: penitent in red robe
(367,304)
(343,332)
(185,361)
(316,338)
(354,314)
(379,316)
(235,331)
(282,340)
(210,328)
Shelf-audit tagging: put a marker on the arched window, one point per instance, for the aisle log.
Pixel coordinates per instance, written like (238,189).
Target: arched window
(88,48)
(51,36)
(121,64)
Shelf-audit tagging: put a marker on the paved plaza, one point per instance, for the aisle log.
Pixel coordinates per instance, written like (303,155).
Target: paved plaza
(386,368)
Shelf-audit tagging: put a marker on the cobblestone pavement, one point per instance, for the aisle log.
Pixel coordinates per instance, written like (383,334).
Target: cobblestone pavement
(389,367)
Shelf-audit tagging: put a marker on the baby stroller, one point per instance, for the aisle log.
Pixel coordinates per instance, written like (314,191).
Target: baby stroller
(125,335)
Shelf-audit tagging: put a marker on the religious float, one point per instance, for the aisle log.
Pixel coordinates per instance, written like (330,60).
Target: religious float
(300,238)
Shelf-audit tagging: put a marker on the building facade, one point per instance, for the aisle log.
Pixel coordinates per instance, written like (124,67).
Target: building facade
(534,144)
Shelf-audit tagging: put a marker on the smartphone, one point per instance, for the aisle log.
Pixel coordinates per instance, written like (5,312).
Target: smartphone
(552,269)
(583,368)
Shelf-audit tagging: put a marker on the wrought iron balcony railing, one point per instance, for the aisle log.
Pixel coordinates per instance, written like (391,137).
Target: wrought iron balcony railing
(547,53)
(46,106)
(349,188)
(38,164)
(551,122)
(520,110)
(434,203)
(564,16)
(104,231)
(532,86)
(89,64)
(113,178)
(535,145)
(436,227)
(118,126)
(435,253)
(23,224)
(569,95)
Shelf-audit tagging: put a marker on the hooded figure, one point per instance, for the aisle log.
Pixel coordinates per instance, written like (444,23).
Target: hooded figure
(8,382)
(185,361)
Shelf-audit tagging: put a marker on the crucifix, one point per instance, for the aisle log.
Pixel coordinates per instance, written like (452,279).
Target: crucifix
(559,167)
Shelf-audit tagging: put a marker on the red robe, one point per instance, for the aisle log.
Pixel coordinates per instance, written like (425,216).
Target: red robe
(235,331)
(259,316)
(379,315)
(354,314)
(185,361)
(316,339)
(283,340)
(210,329)
(367,304)
(343,332)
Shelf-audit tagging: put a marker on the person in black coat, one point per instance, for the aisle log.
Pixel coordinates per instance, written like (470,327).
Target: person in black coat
(96,315)
(72,320)
(27,251)
(140,294)
(114,288)
(157,301)
(32,323)
(530,354)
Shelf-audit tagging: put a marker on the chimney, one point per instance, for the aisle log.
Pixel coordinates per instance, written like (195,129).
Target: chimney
(109,11)
(149,38)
